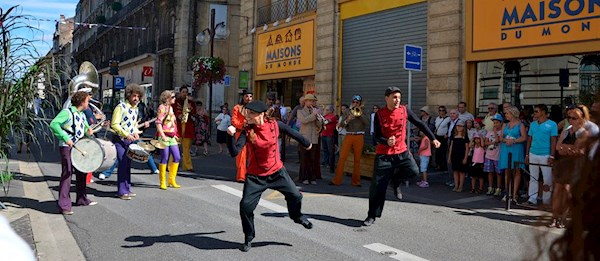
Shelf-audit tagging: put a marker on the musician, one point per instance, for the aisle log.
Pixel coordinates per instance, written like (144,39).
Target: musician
(124,123)
(392,157)
(310,168)
(354,139)
(238,120)
(265,169)
(166,130)
(184,110)
(69,126)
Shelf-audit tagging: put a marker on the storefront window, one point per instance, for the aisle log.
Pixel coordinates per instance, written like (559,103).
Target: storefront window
(589,78)
(512,82)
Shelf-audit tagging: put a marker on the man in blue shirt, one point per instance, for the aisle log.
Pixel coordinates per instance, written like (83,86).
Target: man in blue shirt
(540,153)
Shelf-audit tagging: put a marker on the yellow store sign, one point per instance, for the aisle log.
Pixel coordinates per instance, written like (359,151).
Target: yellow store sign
(287,49)
(506,24)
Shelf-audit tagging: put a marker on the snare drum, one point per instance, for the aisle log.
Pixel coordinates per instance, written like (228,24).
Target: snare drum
(137,153)
(99,156)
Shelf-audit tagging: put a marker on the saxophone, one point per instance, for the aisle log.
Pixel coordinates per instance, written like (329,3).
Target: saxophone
(186,111)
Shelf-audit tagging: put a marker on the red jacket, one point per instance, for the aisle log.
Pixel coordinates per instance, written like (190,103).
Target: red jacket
(189,126)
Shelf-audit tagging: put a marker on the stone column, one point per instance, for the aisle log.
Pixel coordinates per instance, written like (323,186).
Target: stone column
(182,41)
(326,65)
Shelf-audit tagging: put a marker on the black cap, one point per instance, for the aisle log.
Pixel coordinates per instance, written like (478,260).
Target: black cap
(257,106)
(244,92)
(392,89)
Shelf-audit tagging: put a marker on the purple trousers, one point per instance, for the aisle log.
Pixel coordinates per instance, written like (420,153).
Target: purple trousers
(64,187)
(124,171)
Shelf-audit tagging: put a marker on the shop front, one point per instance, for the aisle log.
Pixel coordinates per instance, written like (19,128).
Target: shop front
(140,71)
(531,52)
(285,62)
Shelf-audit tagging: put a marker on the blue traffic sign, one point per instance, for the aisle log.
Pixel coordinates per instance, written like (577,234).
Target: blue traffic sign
(119,82)
(413,57)
(227,80)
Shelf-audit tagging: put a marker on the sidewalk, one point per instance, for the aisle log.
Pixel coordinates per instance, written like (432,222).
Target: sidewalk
(32,212)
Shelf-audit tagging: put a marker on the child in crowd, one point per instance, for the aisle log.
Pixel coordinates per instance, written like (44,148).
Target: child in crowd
(424,156)
(478,125)
(476,168)
(457,154)
(492,154)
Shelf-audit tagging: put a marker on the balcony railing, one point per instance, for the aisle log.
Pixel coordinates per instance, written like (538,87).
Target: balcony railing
(149,47)
(126,11)
(283,9)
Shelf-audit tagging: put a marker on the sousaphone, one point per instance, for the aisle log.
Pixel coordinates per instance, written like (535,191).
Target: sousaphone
(88,81)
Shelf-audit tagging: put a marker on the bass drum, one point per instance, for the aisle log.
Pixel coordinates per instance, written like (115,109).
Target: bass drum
(99,156)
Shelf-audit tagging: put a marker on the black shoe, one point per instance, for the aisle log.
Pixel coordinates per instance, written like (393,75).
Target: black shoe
(304,222)
(369,221)
(398,193)
(246,246)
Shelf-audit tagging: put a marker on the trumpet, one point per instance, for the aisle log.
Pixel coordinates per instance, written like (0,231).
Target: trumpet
(357,110)
(321,121)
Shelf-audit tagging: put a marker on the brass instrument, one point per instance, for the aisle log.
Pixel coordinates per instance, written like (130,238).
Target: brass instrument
(87,81)
(186,111)
(357,110)
(320,118)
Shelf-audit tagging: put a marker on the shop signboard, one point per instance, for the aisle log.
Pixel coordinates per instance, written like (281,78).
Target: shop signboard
(288,49)
(501,24)
(244,79)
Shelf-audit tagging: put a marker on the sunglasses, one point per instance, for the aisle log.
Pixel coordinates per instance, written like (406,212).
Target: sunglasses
(536,111)
(355,102)
(357,97)
(572,118)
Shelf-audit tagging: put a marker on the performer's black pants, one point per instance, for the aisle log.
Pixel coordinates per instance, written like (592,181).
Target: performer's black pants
(256,185)
(395,168)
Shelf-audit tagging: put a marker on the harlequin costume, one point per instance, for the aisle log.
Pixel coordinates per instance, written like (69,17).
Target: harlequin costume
(166,119)
(124,123)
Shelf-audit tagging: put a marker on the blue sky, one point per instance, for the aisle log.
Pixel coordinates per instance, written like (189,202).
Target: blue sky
(42,9)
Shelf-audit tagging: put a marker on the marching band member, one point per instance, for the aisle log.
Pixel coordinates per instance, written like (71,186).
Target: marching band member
(184,110)
(124,123)
(392,156)
(238,120)
(310,168)
(354,139)
(265,169)
(69,126)
(166,130)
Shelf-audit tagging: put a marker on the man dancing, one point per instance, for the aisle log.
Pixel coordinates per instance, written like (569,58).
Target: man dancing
(265,169)
(69,126)
(391,152)
(239,122)
(124,123)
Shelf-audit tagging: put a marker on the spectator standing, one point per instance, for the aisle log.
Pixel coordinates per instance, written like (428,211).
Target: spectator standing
(492,154)
(463,114)
(424,156)
(541,143)
(327,137)
(223,120)
(372,131)
(476,166)
(458,153)
(442,123)
(492,112)
(513,142)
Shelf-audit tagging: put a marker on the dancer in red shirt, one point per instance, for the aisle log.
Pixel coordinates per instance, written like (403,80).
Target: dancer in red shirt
(265,169)
(391,151)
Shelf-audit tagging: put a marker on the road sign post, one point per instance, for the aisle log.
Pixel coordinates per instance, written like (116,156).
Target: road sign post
(412,62)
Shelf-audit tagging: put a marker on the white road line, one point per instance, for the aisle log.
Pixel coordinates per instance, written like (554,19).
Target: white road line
(399,254)
(468,200)
(262,202)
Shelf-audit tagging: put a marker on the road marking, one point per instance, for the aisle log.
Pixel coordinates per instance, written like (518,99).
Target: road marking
(469,200)
(395,253)
(262,202)
(276,195)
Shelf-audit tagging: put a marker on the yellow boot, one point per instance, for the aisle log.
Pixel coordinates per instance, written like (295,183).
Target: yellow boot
(173,167)
(162,175)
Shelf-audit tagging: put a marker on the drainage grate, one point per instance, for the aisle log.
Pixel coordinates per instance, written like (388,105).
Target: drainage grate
(388,253)
(360,230)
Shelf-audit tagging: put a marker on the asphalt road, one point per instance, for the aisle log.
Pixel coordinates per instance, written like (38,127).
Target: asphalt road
(200,221)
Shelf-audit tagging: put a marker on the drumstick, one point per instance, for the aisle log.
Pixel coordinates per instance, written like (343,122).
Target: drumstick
(81,151)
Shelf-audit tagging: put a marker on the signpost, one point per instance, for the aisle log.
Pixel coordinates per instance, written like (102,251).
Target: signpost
(227,80)
(119,83)
(412,62)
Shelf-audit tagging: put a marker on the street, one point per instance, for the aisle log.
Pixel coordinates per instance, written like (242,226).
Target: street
(200,221)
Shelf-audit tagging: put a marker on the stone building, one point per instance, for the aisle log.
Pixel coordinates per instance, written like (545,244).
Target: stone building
(152,41)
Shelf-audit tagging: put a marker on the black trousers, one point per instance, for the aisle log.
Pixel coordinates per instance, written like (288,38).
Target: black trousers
(441,159)
(395,168)
(256,185)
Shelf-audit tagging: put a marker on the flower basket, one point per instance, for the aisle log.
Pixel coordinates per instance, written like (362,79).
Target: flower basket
(206,69)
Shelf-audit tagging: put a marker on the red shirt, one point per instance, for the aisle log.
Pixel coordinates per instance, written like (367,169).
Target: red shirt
(189,126)
(329,127)
(393,123)
(263,153)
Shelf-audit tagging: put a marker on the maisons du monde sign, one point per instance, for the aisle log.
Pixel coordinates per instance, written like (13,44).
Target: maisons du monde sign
(287,49)
(504,24)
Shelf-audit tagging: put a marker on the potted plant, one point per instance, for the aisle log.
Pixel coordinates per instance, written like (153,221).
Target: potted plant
(207,69)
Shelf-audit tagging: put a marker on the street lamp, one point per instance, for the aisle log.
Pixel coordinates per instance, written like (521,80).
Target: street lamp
(201,39)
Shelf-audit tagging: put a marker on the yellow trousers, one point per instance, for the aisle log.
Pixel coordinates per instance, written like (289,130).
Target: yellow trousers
(355,142)
(186,158)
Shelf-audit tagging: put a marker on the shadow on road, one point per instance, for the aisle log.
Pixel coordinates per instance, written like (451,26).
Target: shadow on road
(48,207)
(197,240)
(343,221)
(519,219)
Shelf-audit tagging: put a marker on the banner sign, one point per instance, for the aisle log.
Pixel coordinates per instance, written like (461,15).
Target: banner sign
(286,50)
